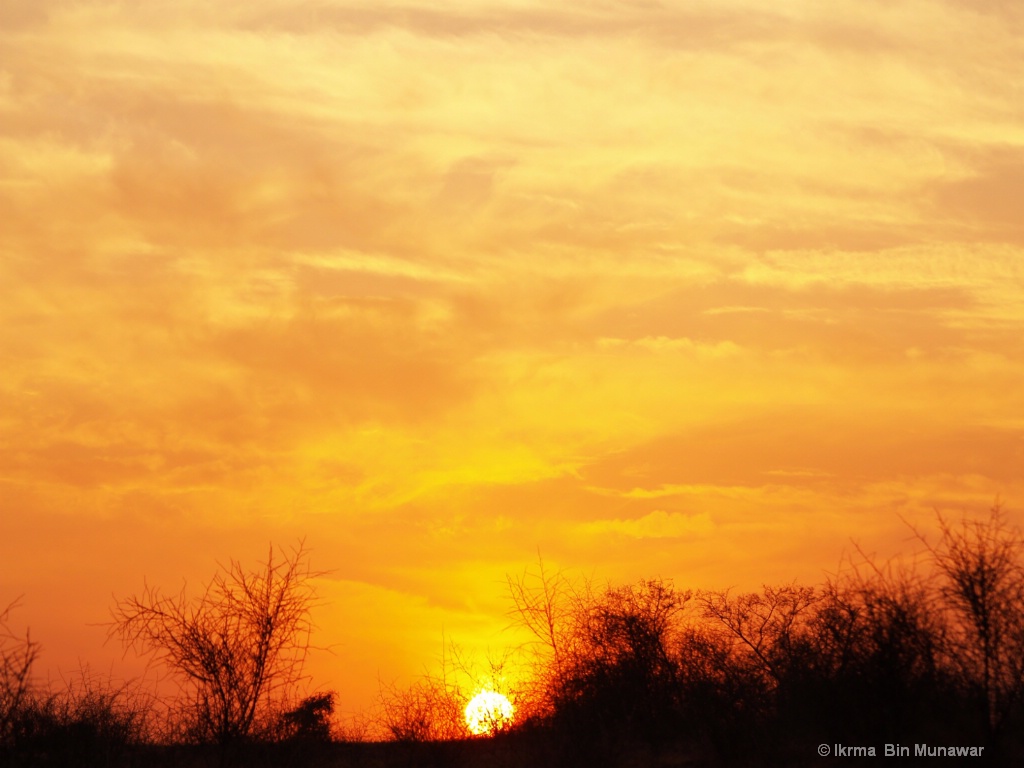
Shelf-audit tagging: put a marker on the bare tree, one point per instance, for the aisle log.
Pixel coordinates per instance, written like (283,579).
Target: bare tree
(546,603)
(238,645)
(982,565)
(767,625)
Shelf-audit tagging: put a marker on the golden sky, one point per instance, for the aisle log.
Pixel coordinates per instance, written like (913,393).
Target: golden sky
(703,290)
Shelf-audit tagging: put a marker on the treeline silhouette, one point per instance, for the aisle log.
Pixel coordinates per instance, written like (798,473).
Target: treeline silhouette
(920,651)
(899,653)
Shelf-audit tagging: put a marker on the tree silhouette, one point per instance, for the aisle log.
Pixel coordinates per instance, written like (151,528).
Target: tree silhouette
(239,644)
(625,678)
(768,625)
(606,673)
(982,565)
(547,604)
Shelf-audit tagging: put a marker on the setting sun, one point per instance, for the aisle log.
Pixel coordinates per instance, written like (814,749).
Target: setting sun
(488,712)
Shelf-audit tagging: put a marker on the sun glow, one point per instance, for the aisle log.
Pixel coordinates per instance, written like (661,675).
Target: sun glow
(488,712)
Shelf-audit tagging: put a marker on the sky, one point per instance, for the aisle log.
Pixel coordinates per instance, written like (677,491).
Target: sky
(715,292)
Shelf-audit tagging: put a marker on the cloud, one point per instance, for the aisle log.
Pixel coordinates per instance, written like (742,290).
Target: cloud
(985,201)
(699,27)
(19,14)
(666,345)
(658,524)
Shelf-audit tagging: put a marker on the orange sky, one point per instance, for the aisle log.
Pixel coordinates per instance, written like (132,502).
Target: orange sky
(700,290)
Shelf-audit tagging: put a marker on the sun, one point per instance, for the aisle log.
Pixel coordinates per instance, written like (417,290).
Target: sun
(488,712)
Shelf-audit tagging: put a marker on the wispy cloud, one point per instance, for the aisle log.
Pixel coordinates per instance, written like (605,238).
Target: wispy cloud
(658,524)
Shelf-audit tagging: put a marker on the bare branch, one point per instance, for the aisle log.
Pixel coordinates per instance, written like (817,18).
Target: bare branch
(241,643)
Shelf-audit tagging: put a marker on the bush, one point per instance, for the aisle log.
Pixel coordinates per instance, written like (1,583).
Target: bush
(17,655)
(91,723)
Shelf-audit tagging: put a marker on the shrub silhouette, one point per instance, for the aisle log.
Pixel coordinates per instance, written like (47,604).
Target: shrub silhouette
(17,656)
(91,723)
(310,721)
(430,709)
